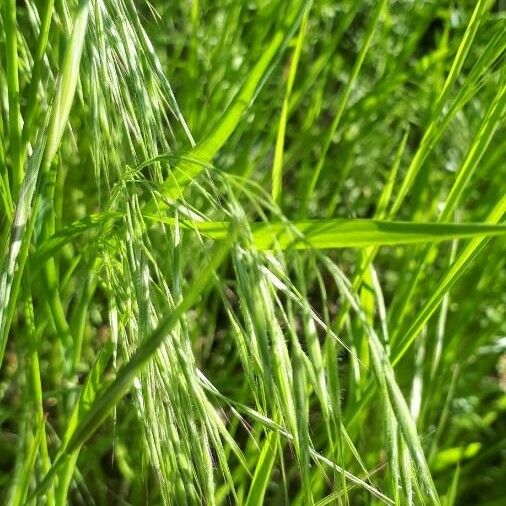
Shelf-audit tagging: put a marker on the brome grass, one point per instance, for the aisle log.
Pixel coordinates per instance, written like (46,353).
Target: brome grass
(252,252)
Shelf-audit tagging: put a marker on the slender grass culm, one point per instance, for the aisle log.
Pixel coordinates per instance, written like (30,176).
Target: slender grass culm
(252,252)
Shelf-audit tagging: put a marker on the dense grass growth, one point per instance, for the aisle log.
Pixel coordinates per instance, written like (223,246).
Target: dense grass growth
(252,252)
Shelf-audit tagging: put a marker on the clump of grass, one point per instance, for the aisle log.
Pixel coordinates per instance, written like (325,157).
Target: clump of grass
(252,252)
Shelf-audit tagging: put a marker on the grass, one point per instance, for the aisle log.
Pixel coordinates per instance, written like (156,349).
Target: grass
(252,252)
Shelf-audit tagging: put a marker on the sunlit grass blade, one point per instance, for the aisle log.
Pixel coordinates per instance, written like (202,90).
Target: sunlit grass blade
(12,71)
(66,90)
(205,150)
(454,273)
(470,165)
(434,128)
(277,165)
(17,251)
(263,470)
(342,233)
(31,103)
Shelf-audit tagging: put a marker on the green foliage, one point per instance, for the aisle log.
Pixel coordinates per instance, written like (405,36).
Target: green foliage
(252,252)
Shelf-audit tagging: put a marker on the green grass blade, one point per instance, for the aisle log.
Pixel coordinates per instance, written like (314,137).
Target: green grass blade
(10,24)
(470,165)
(205,150)
(22,483)
(263,471)
(319,234)
(451,496)
(357,353)
(88,394)
(31,103)
(341,233)
(454,273)
(343,99)
(277,166)
(434,129)
(15,257)
(42,157)
(70,75)
(61,109)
